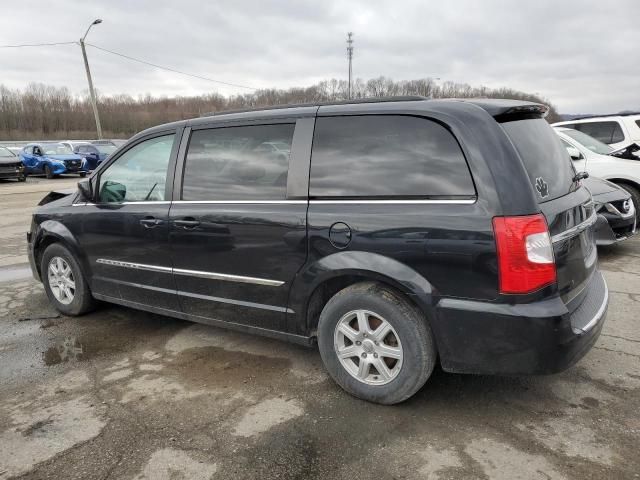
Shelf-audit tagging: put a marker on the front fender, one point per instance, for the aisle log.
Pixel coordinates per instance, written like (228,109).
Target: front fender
(56,167)
(372,266)
(51,231)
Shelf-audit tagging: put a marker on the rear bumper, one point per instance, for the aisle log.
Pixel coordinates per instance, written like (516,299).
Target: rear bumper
(536,338)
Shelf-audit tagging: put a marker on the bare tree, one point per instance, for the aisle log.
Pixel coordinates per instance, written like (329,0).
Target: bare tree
(42,111)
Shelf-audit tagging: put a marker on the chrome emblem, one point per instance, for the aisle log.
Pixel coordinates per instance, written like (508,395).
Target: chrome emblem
(542,187)
(626,206)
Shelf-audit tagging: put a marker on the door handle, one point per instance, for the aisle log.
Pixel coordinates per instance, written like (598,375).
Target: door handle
(150,222)
(187,223)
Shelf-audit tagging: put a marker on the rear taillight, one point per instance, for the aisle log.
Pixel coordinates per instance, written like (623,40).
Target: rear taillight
(525,253)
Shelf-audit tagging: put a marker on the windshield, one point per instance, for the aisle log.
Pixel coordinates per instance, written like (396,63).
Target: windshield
(106,149)
(588,142)
(5,152)
(544,157)
(55,149)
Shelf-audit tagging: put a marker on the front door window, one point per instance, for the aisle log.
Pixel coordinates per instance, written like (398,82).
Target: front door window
(140,174)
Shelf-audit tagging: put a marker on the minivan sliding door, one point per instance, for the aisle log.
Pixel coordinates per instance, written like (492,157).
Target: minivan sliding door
(237,240)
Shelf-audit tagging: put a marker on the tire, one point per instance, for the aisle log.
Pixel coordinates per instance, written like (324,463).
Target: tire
(410,333)
(83,174)
(82,301)
(47,171)
(635,195)
(22,179)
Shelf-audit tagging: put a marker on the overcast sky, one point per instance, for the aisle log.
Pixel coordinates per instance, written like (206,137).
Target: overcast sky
(580,54)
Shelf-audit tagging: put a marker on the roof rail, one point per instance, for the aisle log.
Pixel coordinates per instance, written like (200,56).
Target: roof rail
(621,114)
(401,98)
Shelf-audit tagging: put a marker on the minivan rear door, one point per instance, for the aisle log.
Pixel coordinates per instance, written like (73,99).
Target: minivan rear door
(237,234)
(566,204)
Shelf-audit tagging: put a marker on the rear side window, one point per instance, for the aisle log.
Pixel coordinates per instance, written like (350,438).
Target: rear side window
(386,156)
(607,132)
(545,158)
(238,163)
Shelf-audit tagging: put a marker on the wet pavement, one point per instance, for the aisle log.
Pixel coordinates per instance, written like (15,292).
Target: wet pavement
(125,394)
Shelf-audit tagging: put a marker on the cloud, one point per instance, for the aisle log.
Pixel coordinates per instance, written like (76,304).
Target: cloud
(579,54)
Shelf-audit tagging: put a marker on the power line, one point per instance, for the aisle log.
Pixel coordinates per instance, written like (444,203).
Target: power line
(170,69)
(36,44)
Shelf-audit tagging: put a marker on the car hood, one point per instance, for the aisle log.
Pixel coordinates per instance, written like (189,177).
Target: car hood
(56,195)
(630,152)
(9,160)
(604,191)
(71,156)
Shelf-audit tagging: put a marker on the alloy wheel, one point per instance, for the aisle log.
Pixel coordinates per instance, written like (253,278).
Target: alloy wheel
(368,347)
(61,280)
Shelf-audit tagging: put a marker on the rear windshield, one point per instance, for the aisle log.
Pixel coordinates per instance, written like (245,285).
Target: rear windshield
(545,159)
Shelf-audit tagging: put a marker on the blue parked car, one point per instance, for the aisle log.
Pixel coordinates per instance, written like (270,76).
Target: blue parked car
(94,154)
(51,159)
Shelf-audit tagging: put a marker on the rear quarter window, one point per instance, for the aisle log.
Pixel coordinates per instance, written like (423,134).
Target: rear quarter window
(382,156)
(545,159)
(607,132)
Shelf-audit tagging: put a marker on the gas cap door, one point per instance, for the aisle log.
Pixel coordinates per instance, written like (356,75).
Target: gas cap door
(340,235)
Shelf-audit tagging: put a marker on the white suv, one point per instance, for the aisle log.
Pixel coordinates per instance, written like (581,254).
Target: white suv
(615,130)
(588,154)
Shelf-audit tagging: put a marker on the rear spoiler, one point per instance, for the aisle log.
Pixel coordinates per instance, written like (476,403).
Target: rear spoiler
(508,110)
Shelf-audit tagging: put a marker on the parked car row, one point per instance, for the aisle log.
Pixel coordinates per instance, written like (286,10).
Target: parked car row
(54,158)
(614,183)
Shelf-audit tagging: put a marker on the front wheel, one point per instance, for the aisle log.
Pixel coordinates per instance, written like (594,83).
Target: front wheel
(48,172)
(22,179)
(63,281)
(83,174)
(635,196)
(375,344)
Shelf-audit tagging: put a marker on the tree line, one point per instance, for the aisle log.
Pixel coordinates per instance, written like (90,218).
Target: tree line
(47,112)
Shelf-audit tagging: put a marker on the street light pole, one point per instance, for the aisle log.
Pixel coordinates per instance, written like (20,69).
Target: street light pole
(94,103)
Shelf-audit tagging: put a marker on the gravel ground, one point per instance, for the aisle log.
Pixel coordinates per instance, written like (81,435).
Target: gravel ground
(126,394)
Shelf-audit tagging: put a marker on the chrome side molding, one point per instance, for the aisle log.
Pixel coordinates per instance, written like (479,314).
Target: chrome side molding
(192,273)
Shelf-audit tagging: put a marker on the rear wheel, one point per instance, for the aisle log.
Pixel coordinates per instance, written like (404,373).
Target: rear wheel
(635,196)
(375,344)
(48,172)
(63,281)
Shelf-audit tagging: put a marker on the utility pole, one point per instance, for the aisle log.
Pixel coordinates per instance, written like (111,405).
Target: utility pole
(94,103)
(350,57)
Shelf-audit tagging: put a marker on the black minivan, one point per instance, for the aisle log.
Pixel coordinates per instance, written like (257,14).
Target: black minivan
(394,232)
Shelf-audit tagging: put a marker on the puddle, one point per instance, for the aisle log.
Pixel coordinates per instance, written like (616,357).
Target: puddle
(16,272)
(70,349)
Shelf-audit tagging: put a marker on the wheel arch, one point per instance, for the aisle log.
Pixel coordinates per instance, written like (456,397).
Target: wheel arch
(317,283)
(52,231)
(635,183)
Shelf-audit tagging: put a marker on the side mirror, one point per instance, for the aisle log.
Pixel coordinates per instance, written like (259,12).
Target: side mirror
(574,153)
(113,192)
(86,190)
